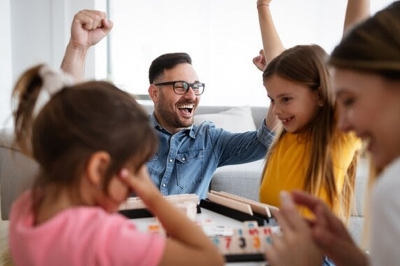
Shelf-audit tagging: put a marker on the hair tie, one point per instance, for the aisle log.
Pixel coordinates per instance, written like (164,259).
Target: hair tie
(53,81)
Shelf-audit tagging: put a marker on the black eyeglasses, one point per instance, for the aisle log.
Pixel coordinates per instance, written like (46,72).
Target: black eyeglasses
(182,87)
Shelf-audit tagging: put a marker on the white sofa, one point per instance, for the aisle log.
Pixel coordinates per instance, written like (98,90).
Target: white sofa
(17,171)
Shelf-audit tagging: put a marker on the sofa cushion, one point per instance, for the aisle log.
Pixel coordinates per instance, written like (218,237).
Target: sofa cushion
(241,179)
(236,119)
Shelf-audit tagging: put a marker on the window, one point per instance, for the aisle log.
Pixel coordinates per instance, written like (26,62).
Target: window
(222,37)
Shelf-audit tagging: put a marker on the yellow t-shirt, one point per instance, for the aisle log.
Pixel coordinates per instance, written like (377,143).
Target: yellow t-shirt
(289,161)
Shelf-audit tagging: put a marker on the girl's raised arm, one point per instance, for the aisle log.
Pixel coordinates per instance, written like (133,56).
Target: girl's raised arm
(356,11)
(272,43)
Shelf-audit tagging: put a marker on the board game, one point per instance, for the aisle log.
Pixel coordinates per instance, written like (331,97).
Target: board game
(240,228)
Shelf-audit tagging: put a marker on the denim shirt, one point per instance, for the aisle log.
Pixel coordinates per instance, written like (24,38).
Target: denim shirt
(186,161)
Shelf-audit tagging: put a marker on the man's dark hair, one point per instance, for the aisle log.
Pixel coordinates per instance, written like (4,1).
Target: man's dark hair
(166,61)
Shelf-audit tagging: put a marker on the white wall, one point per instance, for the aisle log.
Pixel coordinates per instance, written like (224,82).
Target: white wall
(222,37)
(34,32)
(38,31)
(5,61)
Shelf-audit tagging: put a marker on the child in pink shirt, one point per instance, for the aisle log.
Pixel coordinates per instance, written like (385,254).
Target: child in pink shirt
(91,141)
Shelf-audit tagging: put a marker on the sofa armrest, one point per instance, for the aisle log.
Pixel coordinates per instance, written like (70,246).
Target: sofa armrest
(17,172)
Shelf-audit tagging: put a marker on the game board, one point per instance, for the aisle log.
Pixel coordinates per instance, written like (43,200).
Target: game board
(240,234)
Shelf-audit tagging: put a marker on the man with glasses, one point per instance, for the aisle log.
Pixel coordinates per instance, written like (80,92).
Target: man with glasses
(188,155)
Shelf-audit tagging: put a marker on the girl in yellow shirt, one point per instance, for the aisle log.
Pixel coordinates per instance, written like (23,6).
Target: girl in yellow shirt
(309,153)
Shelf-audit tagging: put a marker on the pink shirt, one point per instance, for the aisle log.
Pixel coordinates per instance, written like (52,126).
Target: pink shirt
(79,236)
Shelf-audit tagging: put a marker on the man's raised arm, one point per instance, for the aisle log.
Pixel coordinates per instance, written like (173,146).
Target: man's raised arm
(87,29)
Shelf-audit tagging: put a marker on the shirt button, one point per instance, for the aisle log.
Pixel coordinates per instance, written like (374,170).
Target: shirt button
(170,160)
(163,185)
(183,159)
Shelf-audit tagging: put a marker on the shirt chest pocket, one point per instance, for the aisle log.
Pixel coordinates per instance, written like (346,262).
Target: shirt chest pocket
(190,156)
(189,166)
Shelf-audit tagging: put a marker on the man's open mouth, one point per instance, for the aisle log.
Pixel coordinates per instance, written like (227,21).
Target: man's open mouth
(186,109)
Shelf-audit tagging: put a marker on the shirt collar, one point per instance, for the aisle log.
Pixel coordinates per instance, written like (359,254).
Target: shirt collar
(154,123)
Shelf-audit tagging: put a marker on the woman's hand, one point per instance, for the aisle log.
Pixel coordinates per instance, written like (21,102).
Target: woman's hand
(296,245)
(329,233)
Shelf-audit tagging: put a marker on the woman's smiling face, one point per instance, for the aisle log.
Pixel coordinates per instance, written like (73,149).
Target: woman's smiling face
(369,105)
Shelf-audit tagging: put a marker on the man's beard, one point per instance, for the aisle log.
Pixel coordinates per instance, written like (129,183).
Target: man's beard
(171,117)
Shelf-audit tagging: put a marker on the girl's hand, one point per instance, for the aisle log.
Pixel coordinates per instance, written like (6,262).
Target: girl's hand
(140,183)
(259,61)
(261,2)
